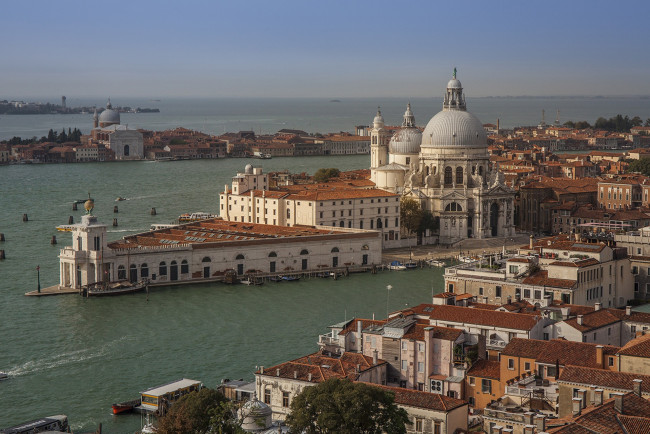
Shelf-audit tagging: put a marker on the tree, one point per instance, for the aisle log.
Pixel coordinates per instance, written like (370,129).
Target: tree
(428,221)
(641,165)
(410,214)
(341,406)
(324,175)
(207,410)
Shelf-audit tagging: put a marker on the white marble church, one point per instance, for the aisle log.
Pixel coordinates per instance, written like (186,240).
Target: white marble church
(446,169)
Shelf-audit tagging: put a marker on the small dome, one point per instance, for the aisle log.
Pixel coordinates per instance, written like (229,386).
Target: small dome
(248,170)
(255,415)
(109,116)
(454,128)
(454,84)
(405,141)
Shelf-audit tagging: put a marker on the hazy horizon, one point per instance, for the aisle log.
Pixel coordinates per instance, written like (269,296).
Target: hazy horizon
(335,49)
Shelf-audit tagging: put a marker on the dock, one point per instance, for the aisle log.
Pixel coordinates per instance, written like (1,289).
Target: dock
(52,290)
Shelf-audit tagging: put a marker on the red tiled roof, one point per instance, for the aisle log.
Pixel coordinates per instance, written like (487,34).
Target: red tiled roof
(593,320)
(557,350)
(469,315)
(604,378)
(639,347)
(420,399)
(485,369)
(541,278)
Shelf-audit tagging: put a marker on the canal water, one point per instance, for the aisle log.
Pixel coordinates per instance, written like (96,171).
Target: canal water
(76,356)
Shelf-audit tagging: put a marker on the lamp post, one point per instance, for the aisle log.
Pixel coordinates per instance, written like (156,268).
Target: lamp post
(38,276)
(388,288)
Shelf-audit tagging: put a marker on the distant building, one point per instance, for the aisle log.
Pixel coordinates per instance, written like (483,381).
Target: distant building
(126,143)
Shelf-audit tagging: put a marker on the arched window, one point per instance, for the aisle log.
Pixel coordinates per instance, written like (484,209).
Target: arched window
(273,255)
(240,256)
(335,250)
(473,170)
(426,170)
(174,263)
(459,175)
(121,273)
(144,270)
(304,252)
(453,207)
(206,259)
(126,150)
(448,175)
(162,269)
(185,268)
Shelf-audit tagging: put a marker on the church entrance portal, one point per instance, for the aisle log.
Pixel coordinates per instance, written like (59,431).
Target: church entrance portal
(494,219)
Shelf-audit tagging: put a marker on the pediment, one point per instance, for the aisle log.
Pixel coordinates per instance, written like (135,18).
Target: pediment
(453,195)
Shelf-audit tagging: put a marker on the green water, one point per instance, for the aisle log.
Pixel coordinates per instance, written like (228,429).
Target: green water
(76,356)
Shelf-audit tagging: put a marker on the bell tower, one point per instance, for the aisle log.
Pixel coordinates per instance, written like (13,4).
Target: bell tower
(378,144)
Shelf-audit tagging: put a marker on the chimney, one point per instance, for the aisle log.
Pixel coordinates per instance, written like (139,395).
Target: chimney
(309,377)
(497,429)
(637,387)
(359,326)
(518,296)
(577,406)
(532,239)
(580,319)
(618,403)
(277,372)
(509,298)
(540,423)
(599,356)
(598,306)
(261,369)
(529,429)
(598,397)
(295,374)
(374,357)
(358,368)
(628,310)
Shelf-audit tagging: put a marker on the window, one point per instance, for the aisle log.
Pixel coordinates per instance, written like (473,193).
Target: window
(121,273)
(497,291)
(513,269)
(420,366)
(610,362)
(437,427)
(404,346)
(459,175)
(472,402)
(285,399)
(419,425)
(144,270)
(635,269)
(472,382)
(527,366)
(421,347)
(511,363)
(448,175)
(162,269)
(480,290)
(404,365)
(486,386)
(267,396)
(185,268)
(632,329)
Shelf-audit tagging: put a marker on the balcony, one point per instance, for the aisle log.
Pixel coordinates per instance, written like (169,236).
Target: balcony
(332,344)
(530,389)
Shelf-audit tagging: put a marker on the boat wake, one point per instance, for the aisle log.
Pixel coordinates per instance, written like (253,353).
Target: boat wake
(63,359)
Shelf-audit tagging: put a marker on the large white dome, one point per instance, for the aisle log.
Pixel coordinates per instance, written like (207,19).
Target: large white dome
(405,141)
(109,116)
(454,128)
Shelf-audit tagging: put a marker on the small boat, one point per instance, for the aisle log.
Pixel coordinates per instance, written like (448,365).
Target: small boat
(120,198)
(114,288)
(290,278)
(251,281)
(324,275)
(195,217)
(411,265)
(3,375)
(435,263)
(396,266)
(126,406)
(275,279)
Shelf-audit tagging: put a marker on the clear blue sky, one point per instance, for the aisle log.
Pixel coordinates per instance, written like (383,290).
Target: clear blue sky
(325,48)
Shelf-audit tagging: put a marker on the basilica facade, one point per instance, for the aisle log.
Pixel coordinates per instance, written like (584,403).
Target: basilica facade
(446,168)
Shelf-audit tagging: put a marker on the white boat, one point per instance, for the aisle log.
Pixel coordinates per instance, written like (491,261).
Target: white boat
(3,375)
(251,281)
(195,217)
(396,266)
(436,263)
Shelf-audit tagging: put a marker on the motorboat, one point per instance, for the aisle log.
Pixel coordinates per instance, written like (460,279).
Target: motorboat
(3,375)
(251,281)
(114,288)
(125,407)
(411,265)
(396,266)
(436,263)
(290,278)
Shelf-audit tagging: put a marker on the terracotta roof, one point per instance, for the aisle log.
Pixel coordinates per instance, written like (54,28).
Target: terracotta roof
(557,350)
(606,418)
(639,347)
(469,315)
(541,278)
(604,378)
(420,399)
(577,264)
(322,367)
(485,369)
(593,320)
(525,260)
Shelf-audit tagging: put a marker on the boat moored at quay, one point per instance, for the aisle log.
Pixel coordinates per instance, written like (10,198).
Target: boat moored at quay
(57,423)
(208,250)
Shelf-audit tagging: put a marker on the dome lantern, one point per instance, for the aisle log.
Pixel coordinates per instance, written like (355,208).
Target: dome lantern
(454,98)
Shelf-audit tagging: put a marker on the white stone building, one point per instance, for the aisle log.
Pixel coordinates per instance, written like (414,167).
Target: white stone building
(126,143)
(446,169)
(249,200)
(204,251)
